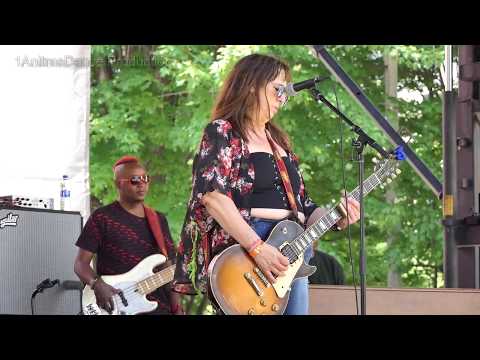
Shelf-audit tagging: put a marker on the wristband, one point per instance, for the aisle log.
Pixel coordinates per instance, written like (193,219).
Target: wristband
(256,248)
(254,245)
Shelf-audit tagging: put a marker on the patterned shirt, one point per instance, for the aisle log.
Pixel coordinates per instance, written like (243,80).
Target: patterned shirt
(222,164)
(121,240)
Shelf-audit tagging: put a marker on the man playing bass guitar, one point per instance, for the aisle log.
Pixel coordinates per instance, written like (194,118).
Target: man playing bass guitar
(121,235)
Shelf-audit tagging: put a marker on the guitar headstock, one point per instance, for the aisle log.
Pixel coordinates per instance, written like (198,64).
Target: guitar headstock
(386,170)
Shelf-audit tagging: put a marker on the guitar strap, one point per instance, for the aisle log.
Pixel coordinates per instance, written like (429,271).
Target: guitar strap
(284,174)
(154,224)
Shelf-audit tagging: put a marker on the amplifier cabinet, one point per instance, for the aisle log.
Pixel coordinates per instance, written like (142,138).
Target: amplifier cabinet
(37,244)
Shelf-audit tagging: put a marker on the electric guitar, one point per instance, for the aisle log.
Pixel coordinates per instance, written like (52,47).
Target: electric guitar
(239,286)
(134,287)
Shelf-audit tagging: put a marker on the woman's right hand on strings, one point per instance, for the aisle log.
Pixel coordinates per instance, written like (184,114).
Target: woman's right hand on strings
(271,261)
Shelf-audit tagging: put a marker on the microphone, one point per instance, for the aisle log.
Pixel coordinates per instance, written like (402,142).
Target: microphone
(71,285)
(45,284)
(293,89)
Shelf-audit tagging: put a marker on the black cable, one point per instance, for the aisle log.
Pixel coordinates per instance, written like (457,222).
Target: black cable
(81,302)
(39,289)
(45,284)
(345,194)
(31,303)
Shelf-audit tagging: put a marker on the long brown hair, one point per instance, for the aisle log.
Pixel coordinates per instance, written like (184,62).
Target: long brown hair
(235,98)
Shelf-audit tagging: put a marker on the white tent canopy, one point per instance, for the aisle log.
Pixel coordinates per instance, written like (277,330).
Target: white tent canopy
(44,117)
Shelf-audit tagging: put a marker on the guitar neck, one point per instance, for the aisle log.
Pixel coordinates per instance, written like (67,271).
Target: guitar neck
(322,225)
(153,282)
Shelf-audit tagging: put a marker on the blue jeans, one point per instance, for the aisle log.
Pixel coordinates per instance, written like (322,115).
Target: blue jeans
(298,301)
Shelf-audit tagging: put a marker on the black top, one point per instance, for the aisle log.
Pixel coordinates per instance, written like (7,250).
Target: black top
(121,240)
(268,189)
(329,271)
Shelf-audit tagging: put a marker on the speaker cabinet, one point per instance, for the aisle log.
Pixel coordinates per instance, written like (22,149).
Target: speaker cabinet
(37,244)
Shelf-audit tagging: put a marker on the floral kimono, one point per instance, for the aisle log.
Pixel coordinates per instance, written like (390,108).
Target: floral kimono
(222,164)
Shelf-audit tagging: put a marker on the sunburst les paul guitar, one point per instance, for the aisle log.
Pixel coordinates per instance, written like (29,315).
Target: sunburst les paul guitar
(134,287)
(239,286)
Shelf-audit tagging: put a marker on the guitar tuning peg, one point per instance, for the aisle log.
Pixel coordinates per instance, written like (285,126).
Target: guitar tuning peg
(389,180)
(398,171)
(375,160)
(393,176)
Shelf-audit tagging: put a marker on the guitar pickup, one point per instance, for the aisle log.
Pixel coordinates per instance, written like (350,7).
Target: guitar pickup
(287,250)
(122,297)
(253,283)
(262,277)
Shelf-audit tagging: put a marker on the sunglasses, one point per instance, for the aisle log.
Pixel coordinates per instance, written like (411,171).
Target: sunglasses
(136,179)
(281,94)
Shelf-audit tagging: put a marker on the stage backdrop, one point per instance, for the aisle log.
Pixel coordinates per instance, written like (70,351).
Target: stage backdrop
(44,119)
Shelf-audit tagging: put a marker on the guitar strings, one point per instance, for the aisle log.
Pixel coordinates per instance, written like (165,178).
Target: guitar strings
(372,181)
(132,288)
(129,290)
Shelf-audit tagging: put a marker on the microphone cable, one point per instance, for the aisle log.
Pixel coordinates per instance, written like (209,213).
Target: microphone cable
(45,284)
(340,123)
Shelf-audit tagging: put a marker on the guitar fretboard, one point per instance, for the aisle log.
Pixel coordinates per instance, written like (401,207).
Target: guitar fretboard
(153,282)
(322,225)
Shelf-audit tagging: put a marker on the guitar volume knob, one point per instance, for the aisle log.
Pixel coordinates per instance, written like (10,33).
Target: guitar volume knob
(251,311)
(275,307)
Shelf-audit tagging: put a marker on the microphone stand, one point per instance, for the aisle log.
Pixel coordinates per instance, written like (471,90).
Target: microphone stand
(358,144)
